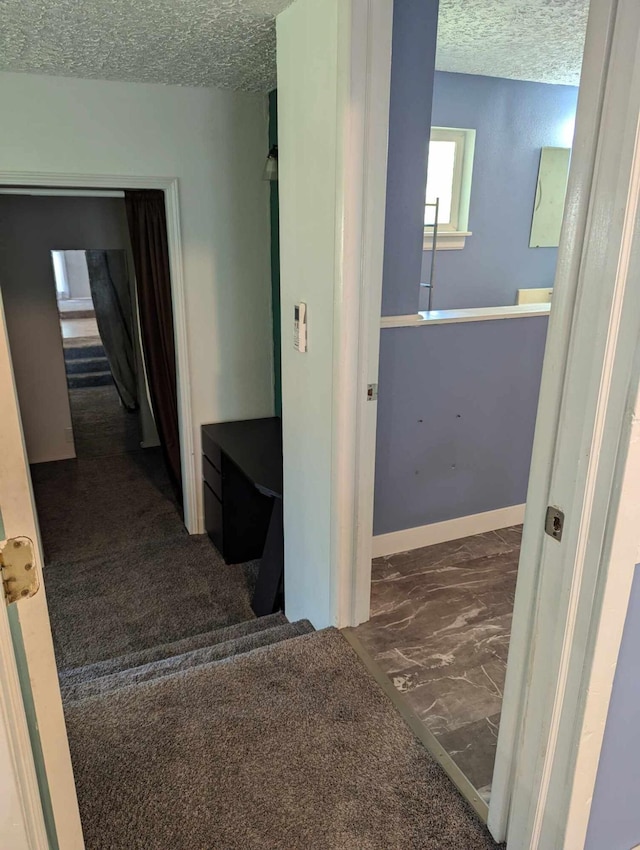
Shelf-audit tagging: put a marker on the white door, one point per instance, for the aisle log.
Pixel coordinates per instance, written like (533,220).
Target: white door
(553,717)
(22,824)
(26,647)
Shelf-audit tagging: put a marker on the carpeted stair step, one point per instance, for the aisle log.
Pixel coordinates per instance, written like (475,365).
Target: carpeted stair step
(93,379)
(86,364)
(81,352)
(294,745)
(227,651)
(74,675)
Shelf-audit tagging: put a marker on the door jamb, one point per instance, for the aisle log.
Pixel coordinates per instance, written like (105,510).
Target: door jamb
(169,185)
(360,229)
(525,766)
(14,721)
(553,721)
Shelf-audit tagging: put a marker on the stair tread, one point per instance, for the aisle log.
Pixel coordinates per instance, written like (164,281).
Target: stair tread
(83,351)
(73,691)
(166,650)
(92,379)
(176,647)
(87,364)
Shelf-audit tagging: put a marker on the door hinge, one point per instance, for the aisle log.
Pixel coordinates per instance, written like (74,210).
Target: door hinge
(18,568)
(372,392)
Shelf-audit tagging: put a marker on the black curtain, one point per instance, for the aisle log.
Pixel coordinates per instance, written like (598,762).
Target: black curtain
(111,296)
(148,231)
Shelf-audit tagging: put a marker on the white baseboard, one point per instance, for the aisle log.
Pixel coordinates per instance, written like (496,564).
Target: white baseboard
(451,529)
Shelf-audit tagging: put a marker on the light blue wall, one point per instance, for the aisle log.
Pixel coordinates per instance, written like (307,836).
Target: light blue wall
(513,120)
(615,811)
(415,24)
(456,414)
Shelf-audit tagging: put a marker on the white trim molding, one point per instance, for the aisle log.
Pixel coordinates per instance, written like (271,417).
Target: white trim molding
(426,318)
(367,28)
(101,185)
(446,240)
(450,529)
(560,670)
(20,783)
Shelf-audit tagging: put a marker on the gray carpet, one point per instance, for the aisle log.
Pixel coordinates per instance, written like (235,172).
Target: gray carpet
(101,425)
(102,685)
(291,747)
(146,594)
(122,574)
(86,507)
(74,675)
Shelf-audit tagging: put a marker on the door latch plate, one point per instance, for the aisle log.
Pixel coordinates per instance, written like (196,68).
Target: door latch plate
(554,523)
(18,568)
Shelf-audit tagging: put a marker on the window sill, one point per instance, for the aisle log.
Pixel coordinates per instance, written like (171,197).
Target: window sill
(447,240)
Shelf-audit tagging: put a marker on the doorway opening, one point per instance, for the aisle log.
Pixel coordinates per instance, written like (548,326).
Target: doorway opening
(459,384)
(104,494)
(108,416)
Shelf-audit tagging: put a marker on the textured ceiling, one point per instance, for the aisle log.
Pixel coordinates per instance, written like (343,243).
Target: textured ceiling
(231,43)
(223,43)
(539,40)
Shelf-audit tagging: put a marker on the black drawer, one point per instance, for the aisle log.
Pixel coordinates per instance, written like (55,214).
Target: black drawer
(212,476)
(211,450)
(213,521)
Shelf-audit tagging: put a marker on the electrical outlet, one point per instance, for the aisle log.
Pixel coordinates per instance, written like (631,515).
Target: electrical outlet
(68,435)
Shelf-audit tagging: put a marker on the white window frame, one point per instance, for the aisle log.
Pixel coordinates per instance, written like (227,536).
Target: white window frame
(452,235)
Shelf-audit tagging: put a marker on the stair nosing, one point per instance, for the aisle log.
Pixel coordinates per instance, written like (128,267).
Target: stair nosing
(73,674)
(121,680)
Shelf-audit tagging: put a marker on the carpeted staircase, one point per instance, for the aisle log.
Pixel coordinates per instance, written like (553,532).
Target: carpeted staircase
(274,737)
(219,645)
(86,364)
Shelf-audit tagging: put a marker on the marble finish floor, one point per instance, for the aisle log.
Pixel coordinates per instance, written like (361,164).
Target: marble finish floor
(440,627)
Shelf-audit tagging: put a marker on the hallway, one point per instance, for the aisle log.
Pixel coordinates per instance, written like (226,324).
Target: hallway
(122,573)
(193,725)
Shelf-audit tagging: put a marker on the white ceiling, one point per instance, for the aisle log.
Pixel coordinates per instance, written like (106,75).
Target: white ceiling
(231,43)
(223,43)
(539,40)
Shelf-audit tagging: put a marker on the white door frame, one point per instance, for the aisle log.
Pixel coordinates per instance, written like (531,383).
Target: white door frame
(41,688)
(26,633)
(21,816)
(552,722)
(360,235)
(85,183)
(585,393)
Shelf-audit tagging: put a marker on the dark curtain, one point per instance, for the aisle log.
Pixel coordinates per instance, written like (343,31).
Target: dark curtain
(148,231)
(111,296)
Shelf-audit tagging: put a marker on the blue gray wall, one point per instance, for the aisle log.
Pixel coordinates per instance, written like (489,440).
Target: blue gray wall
(513,120)
(415,24)
(456,414)
(457,403)
(615,811)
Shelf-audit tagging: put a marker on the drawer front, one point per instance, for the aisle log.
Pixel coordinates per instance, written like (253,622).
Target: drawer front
(213,517)
(211,450)
(212,476)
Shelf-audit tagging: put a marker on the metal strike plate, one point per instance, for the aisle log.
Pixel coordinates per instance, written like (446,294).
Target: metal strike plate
(554,523)
(17,565)
(372,392)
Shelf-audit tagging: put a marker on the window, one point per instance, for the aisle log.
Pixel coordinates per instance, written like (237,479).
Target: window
(448,183)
